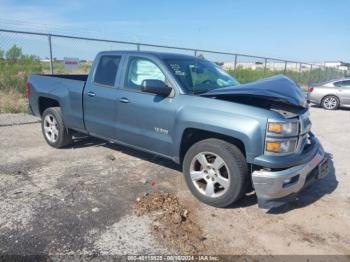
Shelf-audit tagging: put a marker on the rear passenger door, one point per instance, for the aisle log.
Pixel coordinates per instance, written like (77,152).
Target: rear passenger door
(100,97)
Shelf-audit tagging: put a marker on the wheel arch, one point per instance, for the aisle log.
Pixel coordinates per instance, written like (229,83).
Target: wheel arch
(191,136)
(45,102)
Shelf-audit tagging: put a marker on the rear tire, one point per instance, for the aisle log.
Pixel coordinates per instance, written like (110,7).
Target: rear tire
(216,172)
(53,128)
(330,103)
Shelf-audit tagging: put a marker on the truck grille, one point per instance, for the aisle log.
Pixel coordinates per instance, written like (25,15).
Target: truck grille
(305,123)
(305,127)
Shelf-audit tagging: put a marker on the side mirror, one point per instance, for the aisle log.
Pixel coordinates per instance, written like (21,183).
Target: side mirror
(157,87)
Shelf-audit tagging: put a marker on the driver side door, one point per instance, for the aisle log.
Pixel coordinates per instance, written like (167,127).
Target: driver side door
(145,120)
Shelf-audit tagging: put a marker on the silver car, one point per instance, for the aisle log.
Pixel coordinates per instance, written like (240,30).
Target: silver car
(331,95)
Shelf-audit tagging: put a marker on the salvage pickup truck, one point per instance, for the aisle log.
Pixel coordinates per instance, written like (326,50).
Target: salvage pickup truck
(225,135)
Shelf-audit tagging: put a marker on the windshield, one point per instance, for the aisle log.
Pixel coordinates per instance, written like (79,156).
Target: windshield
(198,75)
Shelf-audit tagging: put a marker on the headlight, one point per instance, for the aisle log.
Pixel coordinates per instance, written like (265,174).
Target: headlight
(281,146)
(283,129)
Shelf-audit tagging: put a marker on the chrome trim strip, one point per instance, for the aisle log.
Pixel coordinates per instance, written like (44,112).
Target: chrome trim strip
(305,127)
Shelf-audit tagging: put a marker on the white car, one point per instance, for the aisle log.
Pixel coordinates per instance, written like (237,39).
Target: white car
(331,95)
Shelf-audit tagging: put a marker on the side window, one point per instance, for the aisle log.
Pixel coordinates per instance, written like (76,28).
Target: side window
(338,84)
(141,69)
(346,83)
(201,75)
(106,70)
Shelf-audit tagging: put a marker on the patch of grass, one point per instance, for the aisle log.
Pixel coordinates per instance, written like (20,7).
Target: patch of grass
(14,70)
(58,68)
(12,102)
(304,78)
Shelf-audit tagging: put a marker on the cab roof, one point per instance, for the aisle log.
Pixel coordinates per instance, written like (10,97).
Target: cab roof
(161,55)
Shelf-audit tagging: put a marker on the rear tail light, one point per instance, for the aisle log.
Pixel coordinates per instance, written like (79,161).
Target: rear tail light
(311,89)
(27,89)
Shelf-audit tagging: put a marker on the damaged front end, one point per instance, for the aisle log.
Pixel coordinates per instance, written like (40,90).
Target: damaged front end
(292,157)
(279,175)
(277,93)
(276,187)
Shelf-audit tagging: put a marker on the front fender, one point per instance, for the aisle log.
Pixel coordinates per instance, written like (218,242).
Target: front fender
(248,130)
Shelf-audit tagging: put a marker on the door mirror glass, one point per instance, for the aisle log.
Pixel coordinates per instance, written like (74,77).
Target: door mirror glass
(157,87)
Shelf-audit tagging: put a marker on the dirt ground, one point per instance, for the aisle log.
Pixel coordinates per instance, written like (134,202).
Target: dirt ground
(98,198)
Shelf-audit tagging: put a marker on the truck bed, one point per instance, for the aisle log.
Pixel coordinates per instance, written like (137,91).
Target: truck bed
(66,89)
(71,77)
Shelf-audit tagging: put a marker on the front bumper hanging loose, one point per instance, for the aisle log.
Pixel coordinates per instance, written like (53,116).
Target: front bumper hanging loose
(275,188)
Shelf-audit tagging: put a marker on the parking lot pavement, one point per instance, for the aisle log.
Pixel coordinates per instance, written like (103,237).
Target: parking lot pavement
(80,200)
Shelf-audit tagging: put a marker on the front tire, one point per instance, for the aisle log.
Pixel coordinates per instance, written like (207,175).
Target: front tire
(53,128)
(330,103)
(216,172)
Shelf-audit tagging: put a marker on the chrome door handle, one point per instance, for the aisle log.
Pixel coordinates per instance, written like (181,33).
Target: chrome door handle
(91,94)
(124,100)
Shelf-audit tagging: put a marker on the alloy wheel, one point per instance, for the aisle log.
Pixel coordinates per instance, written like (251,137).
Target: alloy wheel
(210,174)
(51,128)
(330,103)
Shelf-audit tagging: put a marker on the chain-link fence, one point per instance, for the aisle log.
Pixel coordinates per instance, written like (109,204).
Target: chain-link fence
(23,53)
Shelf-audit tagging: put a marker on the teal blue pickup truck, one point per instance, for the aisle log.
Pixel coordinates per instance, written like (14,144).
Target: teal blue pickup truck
(226,136)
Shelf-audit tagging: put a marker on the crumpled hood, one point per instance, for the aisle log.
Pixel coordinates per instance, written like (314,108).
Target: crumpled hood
(277,88)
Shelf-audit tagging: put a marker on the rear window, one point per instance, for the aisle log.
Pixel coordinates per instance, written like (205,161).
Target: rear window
(106,70)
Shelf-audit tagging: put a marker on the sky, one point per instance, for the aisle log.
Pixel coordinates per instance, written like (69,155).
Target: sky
(310,31)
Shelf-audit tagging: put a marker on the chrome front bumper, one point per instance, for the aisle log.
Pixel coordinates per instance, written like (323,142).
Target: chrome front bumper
(274,188)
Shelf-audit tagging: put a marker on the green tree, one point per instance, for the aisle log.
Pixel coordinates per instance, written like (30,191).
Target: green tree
(14,53)
(1,53)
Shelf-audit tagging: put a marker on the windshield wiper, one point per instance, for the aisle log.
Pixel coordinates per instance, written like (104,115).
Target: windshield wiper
(199,92)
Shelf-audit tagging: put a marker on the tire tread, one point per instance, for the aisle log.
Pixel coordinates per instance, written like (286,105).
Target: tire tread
(64,137)
(237,160)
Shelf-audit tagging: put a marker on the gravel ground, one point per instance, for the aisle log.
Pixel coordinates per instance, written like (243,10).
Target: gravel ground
(17,119)
(80,200)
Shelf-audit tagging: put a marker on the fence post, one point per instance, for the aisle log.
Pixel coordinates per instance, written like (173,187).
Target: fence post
(309,82)
(138,47)
(285,67)
(235,64)
(300,71)
(265,66)
(319,73)
(50,49)
(195,52)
